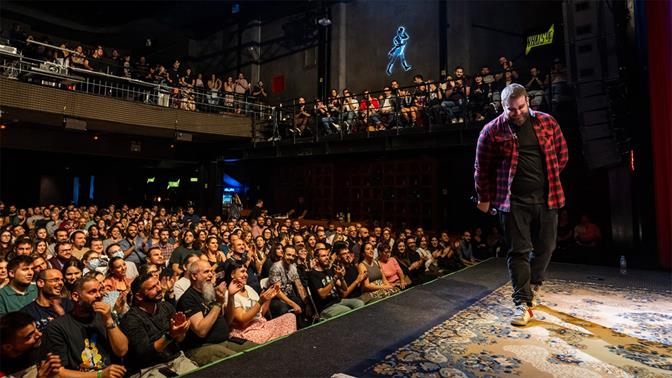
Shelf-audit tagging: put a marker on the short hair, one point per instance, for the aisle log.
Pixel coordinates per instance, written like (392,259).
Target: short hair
(23,240)
(512,91)
(339,246)
(72,236)
(87,254)
(107,250)
(79,284)
(12,322)
(16,262)
(231,267)
(57,247)
(138,281)
(187,257)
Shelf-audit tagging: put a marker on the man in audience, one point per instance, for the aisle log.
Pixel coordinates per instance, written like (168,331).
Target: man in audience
(185,248)
(184,282)
(78,244)
(21,290)
(22,247)
(62,254)
(292,294)
(48,305)
(20,341)
(353,279)
(209,316)
(327,285)
(154,330)
(165,245)
(133,246)
(87,338)
(466,249)
(60,236)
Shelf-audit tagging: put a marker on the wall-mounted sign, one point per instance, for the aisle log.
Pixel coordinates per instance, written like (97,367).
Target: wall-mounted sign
(398,51)
(540,39)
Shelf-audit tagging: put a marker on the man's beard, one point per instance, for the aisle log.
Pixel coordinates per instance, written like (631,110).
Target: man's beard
(521,121)
(208,291)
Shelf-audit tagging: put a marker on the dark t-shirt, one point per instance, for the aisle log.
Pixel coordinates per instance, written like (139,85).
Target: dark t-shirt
(191,303)
(180,253)
(82,345)
(44,315)
(142,330)
(530,182)
(318,280)
(351,274)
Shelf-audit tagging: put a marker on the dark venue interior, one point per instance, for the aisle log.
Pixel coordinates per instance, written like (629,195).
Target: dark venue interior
(463,153)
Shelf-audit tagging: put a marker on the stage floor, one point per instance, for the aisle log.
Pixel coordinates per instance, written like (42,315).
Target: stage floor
(595,322)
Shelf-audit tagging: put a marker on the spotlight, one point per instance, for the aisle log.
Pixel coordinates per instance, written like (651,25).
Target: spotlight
(324,21)
(95,137)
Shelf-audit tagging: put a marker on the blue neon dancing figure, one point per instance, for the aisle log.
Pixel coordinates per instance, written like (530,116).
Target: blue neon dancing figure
(397,51)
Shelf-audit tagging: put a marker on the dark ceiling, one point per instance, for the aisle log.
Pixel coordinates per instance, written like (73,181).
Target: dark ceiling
(191,18)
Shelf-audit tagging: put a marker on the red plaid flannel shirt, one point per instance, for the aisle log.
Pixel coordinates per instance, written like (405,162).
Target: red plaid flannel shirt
(497,159)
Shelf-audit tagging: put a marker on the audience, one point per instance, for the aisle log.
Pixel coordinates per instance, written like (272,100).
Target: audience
(206,304)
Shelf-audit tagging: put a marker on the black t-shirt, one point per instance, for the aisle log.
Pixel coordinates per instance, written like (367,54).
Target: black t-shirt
(142,330)
(351,274)
(191,303)
(83,345)
(43,315)
(530,182)
(318,280)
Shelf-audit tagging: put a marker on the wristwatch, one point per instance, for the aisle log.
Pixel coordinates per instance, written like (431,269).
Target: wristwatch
(111,326)
(168,338)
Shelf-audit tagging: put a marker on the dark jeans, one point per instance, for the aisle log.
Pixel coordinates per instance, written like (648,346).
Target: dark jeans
(278,308)
(531,232)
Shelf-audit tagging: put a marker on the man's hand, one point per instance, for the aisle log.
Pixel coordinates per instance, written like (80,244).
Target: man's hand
(57,307)
(114,371)
(483,206)
(103,309)
(178,331)
(49,367)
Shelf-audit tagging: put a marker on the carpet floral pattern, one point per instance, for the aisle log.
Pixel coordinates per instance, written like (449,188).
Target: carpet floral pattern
(580,330)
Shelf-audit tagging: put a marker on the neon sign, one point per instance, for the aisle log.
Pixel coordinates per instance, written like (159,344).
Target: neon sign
(397,52)
(540,39)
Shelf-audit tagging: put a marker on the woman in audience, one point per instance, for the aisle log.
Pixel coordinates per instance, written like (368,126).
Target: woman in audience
(390,267)
(375,283)
(4,277)
(72,271)
(249,310)
(229,87)
(5,243)
(91,261)
(210,252)
(116,276)
(201,237)
(40,249)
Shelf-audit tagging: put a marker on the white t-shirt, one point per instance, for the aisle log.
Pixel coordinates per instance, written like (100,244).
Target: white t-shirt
(248,302)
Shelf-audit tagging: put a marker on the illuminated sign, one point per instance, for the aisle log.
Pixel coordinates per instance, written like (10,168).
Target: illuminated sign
(398,51)
(150,179)
(173,184)
(193,179)
(229,190)
(540,39)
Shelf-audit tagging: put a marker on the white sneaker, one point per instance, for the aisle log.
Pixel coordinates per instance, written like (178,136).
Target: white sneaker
(521,316)
(536,296)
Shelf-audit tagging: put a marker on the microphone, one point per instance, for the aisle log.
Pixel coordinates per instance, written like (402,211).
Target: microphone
(492,211)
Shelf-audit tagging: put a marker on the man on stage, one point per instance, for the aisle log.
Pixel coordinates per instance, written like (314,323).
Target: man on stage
(519,157)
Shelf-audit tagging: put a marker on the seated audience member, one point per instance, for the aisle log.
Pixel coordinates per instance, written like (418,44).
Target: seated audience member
(62,254)
(49,304)
(39,264)
(21,290)
(375,282)
(166,246)
(368,108)
(20,341)
(114,250)
(301,117)
(133,246)
(4,277)
(116,277)
(410,261)
(155,331)
(209,320)
(87,338)
(352,277)
(250,307)
(328,285)
(292,293)
(155,256)
(92,262)
(22,247)
(242,253)
(185,248)
(390,268)
(184,282)
(210,252)
(72,271)
(587,233)
(78,243)
(466,249)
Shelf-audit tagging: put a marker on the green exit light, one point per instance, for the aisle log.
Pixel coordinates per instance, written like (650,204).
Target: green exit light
(194,179)
(150,179)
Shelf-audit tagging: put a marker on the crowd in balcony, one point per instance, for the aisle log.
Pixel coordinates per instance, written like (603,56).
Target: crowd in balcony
(456,98)
(125,290)
(178,86)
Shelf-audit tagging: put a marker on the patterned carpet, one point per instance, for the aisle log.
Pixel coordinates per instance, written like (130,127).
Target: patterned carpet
(581,330)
